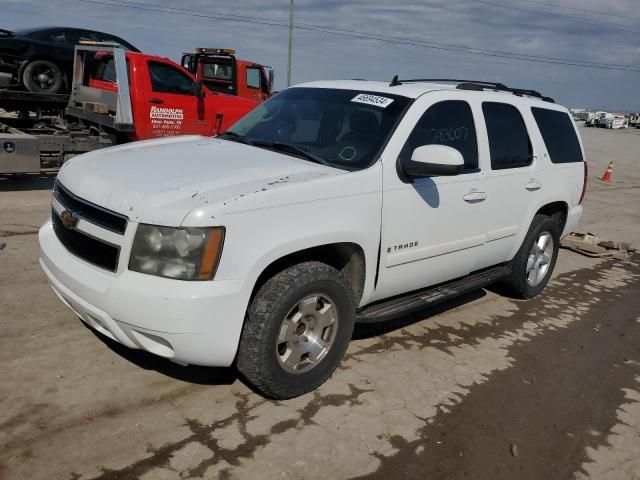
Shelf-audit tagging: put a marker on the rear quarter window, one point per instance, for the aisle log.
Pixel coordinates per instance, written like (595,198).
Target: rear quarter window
(558,134)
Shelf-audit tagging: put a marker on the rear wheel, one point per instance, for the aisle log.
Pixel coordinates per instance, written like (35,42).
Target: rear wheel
(532,266)
(42,76)
(296,331)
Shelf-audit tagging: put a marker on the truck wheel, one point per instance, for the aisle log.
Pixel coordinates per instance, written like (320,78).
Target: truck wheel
(296,330)
(532,266)
(42,76)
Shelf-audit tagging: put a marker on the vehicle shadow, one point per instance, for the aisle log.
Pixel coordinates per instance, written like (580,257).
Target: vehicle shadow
(191,373)
(364,331)
(26,181)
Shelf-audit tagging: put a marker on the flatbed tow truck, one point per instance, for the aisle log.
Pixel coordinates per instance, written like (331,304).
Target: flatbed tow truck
(118,97)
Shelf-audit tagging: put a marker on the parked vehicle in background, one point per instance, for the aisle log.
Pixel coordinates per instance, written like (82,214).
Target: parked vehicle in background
(592,119)
(634,120)
(222,72)
(614,122)
(329,204)
(579,114)
(41,59)
(117,97)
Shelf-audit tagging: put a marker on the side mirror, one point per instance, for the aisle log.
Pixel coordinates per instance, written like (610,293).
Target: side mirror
(434,161)
(271,79)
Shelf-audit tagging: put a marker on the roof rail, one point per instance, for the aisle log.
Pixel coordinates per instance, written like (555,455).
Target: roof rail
(478,85)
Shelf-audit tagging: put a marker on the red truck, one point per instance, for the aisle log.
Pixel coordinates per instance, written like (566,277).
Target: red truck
(118,97)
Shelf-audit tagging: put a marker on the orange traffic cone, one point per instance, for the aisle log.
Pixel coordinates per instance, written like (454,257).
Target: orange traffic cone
(608,173)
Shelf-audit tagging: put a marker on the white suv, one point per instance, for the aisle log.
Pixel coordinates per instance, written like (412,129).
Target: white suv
(332,203)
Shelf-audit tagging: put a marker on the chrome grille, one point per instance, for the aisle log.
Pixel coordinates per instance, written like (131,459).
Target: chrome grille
(90,212)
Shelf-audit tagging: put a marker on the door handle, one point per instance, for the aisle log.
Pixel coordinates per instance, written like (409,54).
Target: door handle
(156,100)
(475,197)
(533,185)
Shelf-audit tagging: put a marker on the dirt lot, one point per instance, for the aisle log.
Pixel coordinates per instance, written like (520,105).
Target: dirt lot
(484,387)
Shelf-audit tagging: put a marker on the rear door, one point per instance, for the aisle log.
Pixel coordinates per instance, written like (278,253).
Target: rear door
(514,178)
(171,105)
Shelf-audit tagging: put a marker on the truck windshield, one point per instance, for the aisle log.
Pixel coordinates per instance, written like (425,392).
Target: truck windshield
(341,128)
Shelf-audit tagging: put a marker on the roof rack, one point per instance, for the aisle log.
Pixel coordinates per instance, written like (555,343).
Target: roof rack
(478,85)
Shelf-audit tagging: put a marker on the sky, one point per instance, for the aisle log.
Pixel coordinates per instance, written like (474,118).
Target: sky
(555,29)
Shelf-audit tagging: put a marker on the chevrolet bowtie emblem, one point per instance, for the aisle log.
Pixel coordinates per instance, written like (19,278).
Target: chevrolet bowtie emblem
(69,220)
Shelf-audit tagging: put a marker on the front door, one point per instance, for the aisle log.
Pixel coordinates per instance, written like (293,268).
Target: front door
(432,228)
(172,106)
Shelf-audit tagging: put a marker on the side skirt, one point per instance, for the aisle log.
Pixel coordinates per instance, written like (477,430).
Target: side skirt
(417,300)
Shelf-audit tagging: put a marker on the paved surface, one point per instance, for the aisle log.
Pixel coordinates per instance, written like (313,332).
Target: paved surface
(484,387)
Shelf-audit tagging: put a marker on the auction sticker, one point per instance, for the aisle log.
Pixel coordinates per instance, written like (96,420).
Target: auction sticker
(368,99)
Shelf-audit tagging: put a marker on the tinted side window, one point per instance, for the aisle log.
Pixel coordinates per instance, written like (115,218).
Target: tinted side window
(558,134)
(509,142)
(58,38)
(253,77)
(447,123)
(167,79)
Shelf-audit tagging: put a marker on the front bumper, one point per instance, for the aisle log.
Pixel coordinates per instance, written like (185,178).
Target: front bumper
(188,322)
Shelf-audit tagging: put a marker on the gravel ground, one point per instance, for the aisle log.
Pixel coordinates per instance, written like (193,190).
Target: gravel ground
(483,387)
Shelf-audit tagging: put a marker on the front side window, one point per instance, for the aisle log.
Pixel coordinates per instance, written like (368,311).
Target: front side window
(558,134)
(253,77)
(447,123)
(509,143)
(341,128)
(168,79)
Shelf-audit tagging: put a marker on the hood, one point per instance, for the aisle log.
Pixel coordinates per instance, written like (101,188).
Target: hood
(161,181)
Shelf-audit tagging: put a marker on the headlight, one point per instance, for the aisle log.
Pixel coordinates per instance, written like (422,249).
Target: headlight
(183,253)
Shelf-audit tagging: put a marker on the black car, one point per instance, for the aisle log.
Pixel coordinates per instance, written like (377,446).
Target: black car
(41,59)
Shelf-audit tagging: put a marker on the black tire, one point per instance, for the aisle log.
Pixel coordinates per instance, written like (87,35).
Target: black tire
(517,281)
(258,356)
(51,82)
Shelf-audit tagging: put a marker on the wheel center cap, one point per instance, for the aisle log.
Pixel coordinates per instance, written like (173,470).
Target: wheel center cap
(301,328)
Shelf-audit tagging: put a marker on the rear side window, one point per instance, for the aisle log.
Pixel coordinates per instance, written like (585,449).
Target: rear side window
(509,143)
(558,134)
(447,123)
(58,38)
(167,79)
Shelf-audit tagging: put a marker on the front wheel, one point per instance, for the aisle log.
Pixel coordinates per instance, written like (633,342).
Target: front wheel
(532,266)
(296,331)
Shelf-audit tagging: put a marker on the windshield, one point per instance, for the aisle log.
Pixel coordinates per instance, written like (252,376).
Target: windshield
(341,128)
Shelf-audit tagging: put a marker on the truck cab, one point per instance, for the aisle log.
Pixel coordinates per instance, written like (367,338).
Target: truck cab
(166,99)
(220,71)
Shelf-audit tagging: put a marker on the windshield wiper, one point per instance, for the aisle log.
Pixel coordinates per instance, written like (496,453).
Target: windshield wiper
(292,149)
(235,137)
